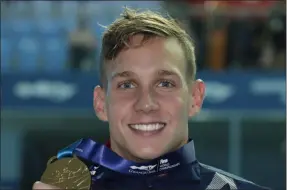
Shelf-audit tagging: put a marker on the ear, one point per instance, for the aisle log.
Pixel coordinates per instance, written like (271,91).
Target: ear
(99,103)
(196,97)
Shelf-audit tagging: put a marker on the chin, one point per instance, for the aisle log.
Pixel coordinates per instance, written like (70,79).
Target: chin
(148,153)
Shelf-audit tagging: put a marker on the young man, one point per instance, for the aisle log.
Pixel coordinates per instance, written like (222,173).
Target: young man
(147,95)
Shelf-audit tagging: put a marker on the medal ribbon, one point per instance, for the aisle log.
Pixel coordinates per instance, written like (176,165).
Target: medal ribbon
(97,153)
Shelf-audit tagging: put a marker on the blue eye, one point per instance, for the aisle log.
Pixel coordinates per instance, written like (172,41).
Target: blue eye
(126,85)
(166,84)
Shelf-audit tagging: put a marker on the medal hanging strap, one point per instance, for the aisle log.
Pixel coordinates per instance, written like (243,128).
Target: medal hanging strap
(82,148)
(89,150)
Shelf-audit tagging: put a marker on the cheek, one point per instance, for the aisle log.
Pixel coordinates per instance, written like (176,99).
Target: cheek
(119,105)
(121,99)
(175,104)
(176,108)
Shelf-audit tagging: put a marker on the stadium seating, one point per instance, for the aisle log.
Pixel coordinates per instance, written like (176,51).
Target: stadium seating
(54,54)
(34,36)
(6,51)
(50,27)
(21,27)
(27,53)
(39,43)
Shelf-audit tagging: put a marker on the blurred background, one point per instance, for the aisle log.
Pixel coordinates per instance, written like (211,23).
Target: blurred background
(49,59)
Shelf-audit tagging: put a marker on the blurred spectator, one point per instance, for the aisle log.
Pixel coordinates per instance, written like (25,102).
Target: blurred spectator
(245,43)
(277,27)
(273,53)
(82,44)
(183,11)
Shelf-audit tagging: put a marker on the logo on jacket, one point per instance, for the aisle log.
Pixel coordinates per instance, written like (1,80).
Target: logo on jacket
(146,168)
(165,165)
(163,161)
(143,169)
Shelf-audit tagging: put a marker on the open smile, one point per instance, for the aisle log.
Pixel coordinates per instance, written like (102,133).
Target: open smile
(147,129)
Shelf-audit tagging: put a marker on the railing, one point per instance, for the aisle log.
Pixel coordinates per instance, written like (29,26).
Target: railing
(235,130)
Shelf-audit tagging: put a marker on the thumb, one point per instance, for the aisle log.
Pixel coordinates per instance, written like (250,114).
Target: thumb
(40,185)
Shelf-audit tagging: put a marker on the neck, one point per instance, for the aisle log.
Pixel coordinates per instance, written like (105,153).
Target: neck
(121,151)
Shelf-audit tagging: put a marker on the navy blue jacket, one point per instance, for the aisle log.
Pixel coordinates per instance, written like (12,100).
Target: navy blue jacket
(189,176)
(208,178)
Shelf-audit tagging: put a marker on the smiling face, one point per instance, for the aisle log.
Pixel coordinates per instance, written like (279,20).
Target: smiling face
(147,100)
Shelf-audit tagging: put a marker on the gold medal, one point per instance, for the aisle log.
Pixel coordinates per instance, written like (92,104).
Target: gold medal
(67,173)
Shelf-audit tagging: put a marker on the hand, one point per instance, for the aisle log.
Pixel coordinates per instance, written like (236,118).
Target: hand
(39,185)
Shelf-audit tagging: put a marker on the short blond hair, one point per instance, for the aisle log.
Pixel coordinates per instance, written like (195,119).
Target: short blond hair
(150,24)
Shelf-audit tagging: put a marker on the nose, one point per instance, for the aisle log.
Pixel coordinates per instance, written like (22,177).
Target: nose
(146,102)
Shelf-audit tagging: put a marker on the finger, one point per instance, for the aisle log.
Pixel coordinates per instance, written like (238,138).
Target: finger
(39,185)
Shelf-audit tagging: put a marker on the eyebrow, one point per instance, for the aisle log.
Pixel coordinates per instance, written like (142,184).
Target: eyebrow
(126,74)
(166,73)
(122,74)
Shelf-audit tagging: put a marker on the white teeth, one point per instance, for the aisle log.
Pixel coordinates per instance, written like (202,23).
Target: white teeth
(148,127)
